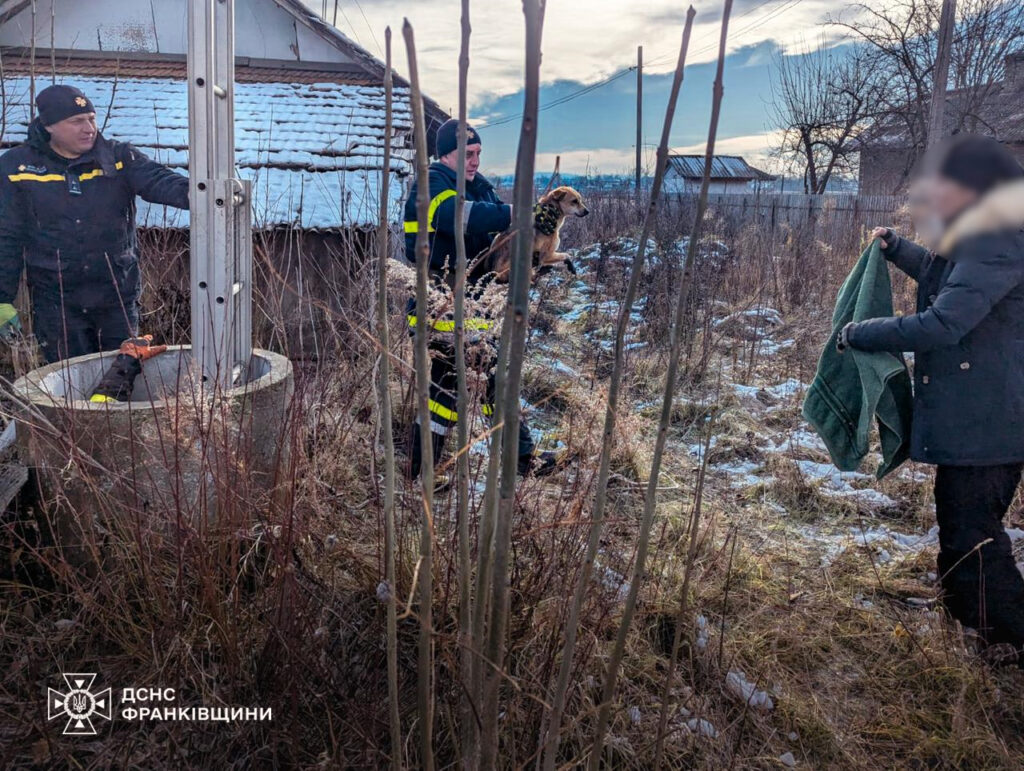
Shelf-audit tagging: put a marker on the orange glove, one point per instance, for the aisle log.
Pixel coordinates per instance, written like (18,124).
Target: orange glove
(141,348)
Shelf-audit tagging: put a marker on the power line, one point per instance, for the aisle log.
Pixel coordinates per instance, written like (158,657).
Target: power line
(786,6)
(373,33)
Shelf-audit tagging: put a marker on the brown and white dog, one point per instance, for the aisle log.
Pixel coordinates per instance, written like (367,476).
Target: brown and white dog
(550,214)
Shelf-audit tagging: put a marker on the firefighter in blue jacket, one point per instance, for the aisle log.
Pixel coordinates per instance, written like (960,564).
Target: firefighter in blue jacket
(485,217)
(67,217)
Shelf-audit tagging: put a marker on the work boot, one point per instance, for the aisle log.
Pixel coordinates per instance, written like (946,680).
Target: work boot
(541,463)
(416,454)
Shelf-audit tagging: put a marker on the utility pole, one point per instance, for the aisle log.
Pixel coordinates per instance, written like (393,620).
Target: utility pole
(936,118)
(220,216)
(639,114)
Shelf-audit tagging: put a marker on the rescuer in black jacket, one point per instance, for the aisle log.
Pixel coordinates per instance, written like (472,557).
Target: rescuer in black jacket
(67,216)
(485,216)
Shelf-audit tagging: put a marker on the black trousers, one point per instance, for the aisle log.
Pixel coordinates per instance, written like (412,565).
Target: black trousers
(444,396)
(982,587)
(74,314)
(64,333)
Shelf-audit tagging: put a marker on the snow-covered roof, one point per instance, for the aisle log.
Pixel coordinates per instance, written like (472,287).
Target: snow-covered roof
(728,167)
(313,151)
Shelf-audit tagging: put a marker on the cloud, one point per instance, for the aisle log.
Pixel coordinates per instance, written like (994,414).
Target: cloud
(585,41)
(756,148)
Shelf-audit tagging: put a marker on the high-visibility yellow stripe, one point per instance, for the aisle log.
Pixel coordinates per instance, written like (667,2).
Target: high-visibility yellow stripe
(487,410)
(119,165)
(413,226)
(35,177)
(102,399)
(91,174)
(443,412)
(448,325)
(439,199)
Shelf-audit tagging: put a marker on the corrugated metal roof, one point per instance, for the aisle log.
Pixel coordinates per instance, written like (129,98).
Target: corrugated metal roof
(722,167)
(313,151)
(130,67)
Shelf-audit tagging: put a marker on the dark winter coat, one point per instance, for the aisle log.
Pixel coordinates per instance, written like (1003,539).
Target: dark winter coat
(62,220)
(967,335)
(485,217)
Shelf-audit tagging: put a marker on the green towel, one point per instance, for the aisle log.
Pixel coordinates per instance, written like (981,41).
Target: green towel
(851,388)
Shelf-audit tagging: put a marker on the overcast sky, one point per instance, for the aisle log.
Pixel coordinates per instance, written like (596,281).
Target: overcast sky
(586,41)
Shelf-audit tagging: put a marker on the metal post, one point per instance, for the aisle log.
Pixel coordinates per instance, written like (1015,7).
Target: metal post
(639,114)
(221,218)
(936,116)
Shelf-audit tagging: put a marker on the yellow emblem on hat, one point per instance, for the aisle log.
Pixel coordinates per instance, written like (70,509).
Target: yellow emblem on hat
(21,167)
(80,101)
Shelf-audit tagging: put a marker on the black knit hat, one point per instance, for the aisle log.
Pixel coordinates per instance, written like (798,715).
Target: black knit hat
(448,137)
(56,103)
(978,163)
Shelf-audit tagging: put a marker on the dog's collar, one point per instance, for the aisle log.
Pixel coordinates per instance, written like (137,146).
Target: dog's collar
(545,218)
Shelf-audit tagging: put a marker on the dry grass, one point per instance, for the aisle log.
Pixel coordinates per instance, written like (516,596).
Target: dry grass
(284,611)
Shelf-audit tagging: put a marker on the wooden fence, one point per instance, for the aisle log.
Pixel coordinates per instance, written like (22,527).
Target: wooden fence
(797,208)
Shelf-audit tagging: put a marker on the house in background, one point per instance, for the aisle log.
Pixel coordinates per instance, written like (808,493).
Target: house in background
(309,133)
(729,174)
(309,104)
(887,154)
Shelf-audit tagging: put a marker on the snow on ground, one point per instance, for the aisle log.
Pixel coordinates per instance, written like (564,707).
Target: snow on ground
(770,397)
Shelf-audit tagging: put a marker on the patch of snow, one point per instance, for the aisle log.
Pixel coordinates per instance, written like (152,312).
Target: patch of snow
(755,317)
(867,498)
(612,580)
(801,438)
(910,474)
(741,473)
(702,727)
(770,347)
(829,476)
(787,388)
(737,685)
(703,633)
(787,759)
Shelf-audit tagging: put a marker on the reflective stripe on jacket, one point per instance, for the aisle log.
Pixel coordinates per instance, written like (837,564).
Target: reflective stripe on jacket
(76,216)
(485,217)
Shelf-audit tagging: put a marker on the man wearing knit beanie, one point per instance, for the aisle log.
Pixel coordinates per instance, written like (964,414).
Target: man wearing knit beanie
(485,216)
(67,218)
(968,341)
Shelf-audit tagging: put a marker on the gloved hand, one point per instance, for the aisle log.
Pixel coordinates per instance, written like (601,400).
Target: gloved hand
(10,324)
(884,235)
(843,338)
(141,348)
(118,381)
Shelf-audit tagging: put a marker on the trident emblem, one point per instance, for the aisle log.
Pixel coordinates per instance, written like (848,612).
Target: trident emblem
(79,704)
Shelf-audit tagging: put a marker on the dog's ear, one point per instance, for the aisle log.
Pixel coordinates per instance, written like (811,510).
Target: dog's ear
(557,194)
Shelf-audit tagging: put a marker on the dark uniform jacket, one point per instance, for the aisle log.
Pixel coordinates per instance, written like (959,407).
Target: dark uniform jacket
(967,335)
(72,216)
(485,217)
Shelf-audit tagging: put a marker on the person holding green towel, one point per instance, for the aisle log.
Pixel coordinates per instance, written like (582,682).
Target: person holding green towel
(968,339)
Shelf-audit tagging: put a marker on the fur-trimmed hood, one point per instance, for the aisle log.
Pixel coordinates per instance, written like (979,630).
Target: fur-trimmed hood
(1000,209)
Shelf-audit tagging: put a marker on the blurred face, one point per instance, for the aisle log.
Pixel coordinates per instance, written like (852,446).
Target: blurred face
(928,224)
(73,136)
(947,198)
(472,161)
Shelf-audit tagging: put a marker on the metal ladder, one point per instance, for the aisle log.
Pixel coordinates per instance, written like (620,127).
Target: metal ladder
(221,215)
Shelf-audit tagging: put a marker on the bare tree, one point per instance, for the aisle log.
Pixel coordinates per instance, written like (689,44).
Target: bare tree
(900,41)
(823,100)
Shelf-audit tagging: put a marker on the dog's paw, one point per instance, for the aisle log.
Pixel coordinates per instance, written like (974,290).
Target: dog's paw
(569,266)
